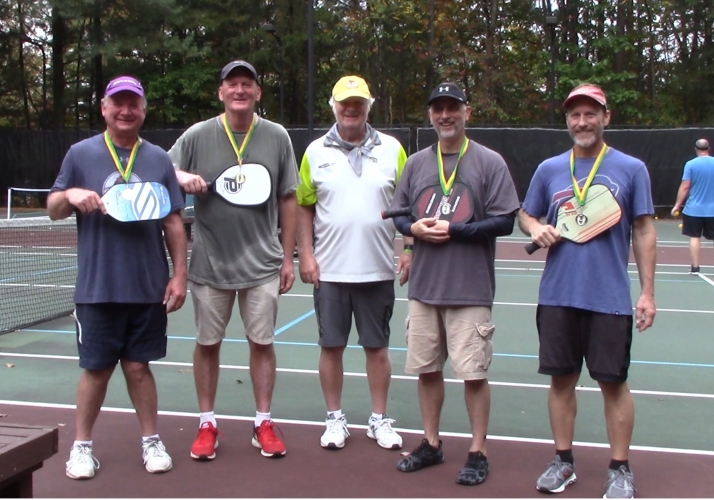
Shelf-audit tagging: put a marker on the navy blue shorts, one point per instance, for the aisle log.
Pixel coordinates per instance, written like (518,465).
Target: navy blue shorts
(110,332)
(567,335)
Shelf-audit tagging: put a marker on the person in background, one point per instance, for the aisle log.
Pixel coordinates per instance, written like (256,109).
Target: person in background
(697,188)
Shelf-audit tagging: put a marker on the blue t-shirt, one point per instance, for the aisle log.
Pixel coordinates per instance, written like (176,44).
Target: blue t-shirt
(122,262)
(593,275)
(700,201)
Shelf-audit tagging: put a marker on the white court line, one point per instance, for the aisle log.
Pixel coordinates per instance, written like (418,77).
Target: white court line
(523,304)
(364,375)
(512,439)
(706,279)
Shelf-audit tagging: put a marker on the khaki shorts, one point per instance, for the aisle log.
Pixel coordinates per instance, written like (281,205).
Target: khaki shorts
(212,308)
(461,333)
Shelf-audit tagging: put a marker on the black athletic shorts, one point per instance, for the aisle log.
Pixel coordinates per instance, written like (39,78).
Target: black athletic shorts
(371,304)
(109,332)
(568,335)
(695,227)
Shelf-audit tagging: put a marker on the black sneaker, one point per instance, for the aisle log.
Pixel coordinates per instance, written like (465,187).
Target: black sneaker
(475,470)
(422,456)
(694,270)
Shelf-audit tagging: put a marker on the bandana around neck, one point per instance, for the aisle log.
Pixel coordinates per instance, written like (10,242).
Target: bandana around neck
(354,157)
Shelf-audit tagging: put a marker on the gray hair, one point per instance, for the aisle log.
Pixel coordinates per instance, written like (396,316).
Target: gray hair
(702,145)
(332,102)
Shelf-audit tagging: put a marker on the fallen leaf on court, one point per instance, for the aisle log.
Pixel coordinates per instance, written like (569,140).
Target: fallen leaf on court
(405,453)
(239,381)
(3,415)
(62,425)
(660,399)
(9,365)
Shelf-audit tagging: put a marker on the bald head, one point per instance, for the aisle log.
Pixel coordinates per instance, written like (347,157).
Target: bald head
(702,145)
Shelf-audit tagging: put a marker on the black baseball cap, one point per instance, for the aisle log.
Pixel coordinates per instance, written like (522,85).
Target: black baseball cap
(238,64)
(448,89)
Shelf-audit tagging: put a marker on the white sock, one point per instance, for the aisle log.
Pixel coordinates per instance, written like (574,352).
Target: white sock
(82,443)
(336,414)
(208,416)
(376,416)
(145,439)
(261,417)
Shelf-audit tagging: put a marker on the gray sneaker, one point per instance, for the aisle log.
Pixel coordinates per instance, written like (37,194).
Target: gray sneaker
(556,477)
(620,483)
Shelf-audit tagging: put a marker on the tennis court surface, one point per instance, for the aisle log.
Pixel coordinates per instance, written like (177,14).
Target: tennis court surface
(671,378)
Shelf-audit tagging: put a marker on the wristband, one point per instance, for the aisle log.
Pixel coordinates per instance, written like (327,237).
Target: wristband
(408,248)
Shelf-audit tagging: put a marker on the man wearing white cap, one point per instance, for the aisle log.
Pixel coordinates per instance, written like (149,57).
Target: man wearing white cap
(347,177)
(123,290)
(584,305)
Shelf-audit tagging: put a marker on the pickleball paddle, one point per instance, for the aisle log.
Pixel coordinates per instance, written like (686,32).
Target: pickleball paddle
(137,201)
(456,207)
(580,224)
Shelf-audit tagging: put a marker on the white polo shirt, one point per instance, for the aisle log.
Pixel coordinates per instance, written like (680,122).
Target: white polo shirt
(352,242)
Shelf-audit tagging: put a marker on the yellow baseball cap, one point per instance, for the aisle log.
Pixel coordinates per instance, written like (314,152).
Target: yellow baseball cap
(350,86)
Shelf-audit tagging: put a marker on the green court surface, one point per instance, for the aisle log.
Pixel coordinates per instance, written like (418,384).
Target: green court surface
(671,373)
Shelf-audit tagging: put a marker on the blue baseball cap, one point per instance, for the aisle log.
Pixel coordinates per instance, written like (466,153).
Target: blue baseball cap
(121,83)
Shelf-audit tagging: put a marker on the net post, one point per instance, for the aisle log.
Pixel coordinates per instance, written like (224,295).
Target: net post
(9,201)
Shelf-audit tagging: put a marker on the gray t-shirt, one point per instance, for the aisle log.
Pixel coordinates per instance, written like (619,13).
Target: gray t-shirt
(122,262)
(458,272)
(236,246)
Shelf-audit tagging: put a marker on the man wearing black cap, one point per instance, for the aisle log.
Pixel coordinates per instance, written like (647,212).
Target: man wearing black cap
(584,305)
(123,290)
(236,251)
(452,276)
(697,188)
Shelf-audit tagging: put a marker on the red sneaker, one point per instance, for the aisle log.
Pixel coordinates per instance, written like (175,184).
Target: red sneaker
(264,438)
(204,447)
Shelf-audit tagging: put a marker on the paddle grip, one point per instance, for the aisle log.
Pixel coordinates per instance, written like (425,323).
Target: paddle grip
(532,247)
(399,212)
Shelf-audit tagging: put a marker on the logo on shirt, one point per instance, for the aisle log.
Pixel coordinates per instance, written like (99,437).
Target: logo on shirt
(325,165)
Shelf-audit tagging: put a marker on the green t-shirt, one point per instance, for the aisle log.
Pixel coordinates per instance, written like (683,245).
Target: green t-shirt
(236,247)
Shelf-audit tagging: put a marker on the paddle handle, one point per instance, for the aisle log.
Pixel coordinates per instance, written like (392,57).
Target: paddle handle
(532,247)
(399,212)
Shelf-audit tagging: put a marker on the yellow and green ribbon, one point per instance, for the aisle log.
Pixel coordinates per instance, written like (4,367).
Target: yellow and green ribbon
(446,185)
(124,172)
(240,151)
(581,194)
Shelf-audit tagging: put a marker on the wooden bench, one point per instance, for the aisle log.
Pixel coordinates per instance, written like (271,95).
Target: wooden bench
(23,449)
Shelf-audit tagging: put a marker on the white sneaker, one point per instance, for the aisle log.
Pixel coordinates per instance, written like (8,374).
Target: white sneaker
(156,459)
(81,463)
(336,433)
(381,430)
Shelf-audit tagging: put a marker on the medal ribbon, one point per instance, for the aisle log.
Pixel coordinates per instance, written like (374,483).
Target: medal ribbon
(447,184)
(124,172)
(244,145)
(581,194)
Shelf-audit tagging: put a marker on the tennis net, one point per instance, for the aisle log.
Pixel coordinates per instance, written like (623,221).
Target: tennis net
(38,269)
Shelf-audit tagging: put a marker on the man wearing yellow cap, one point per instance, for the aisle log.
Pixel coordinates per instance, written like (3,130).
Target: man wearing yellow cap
(347,177)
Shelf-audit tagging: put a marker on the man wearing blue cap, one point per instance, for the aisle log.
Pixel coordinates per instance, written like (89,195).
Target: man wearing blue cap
(123,289)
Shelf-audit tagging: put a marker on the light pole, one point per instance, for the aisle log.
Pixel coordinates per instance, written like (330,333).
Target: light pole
(310,67)
(552,22)
(269,28)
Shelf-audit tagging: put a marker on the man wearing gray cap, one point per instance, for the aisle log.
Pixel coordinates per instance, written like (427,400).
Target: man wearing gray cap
(236,250)
(697,188)
(452,276)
